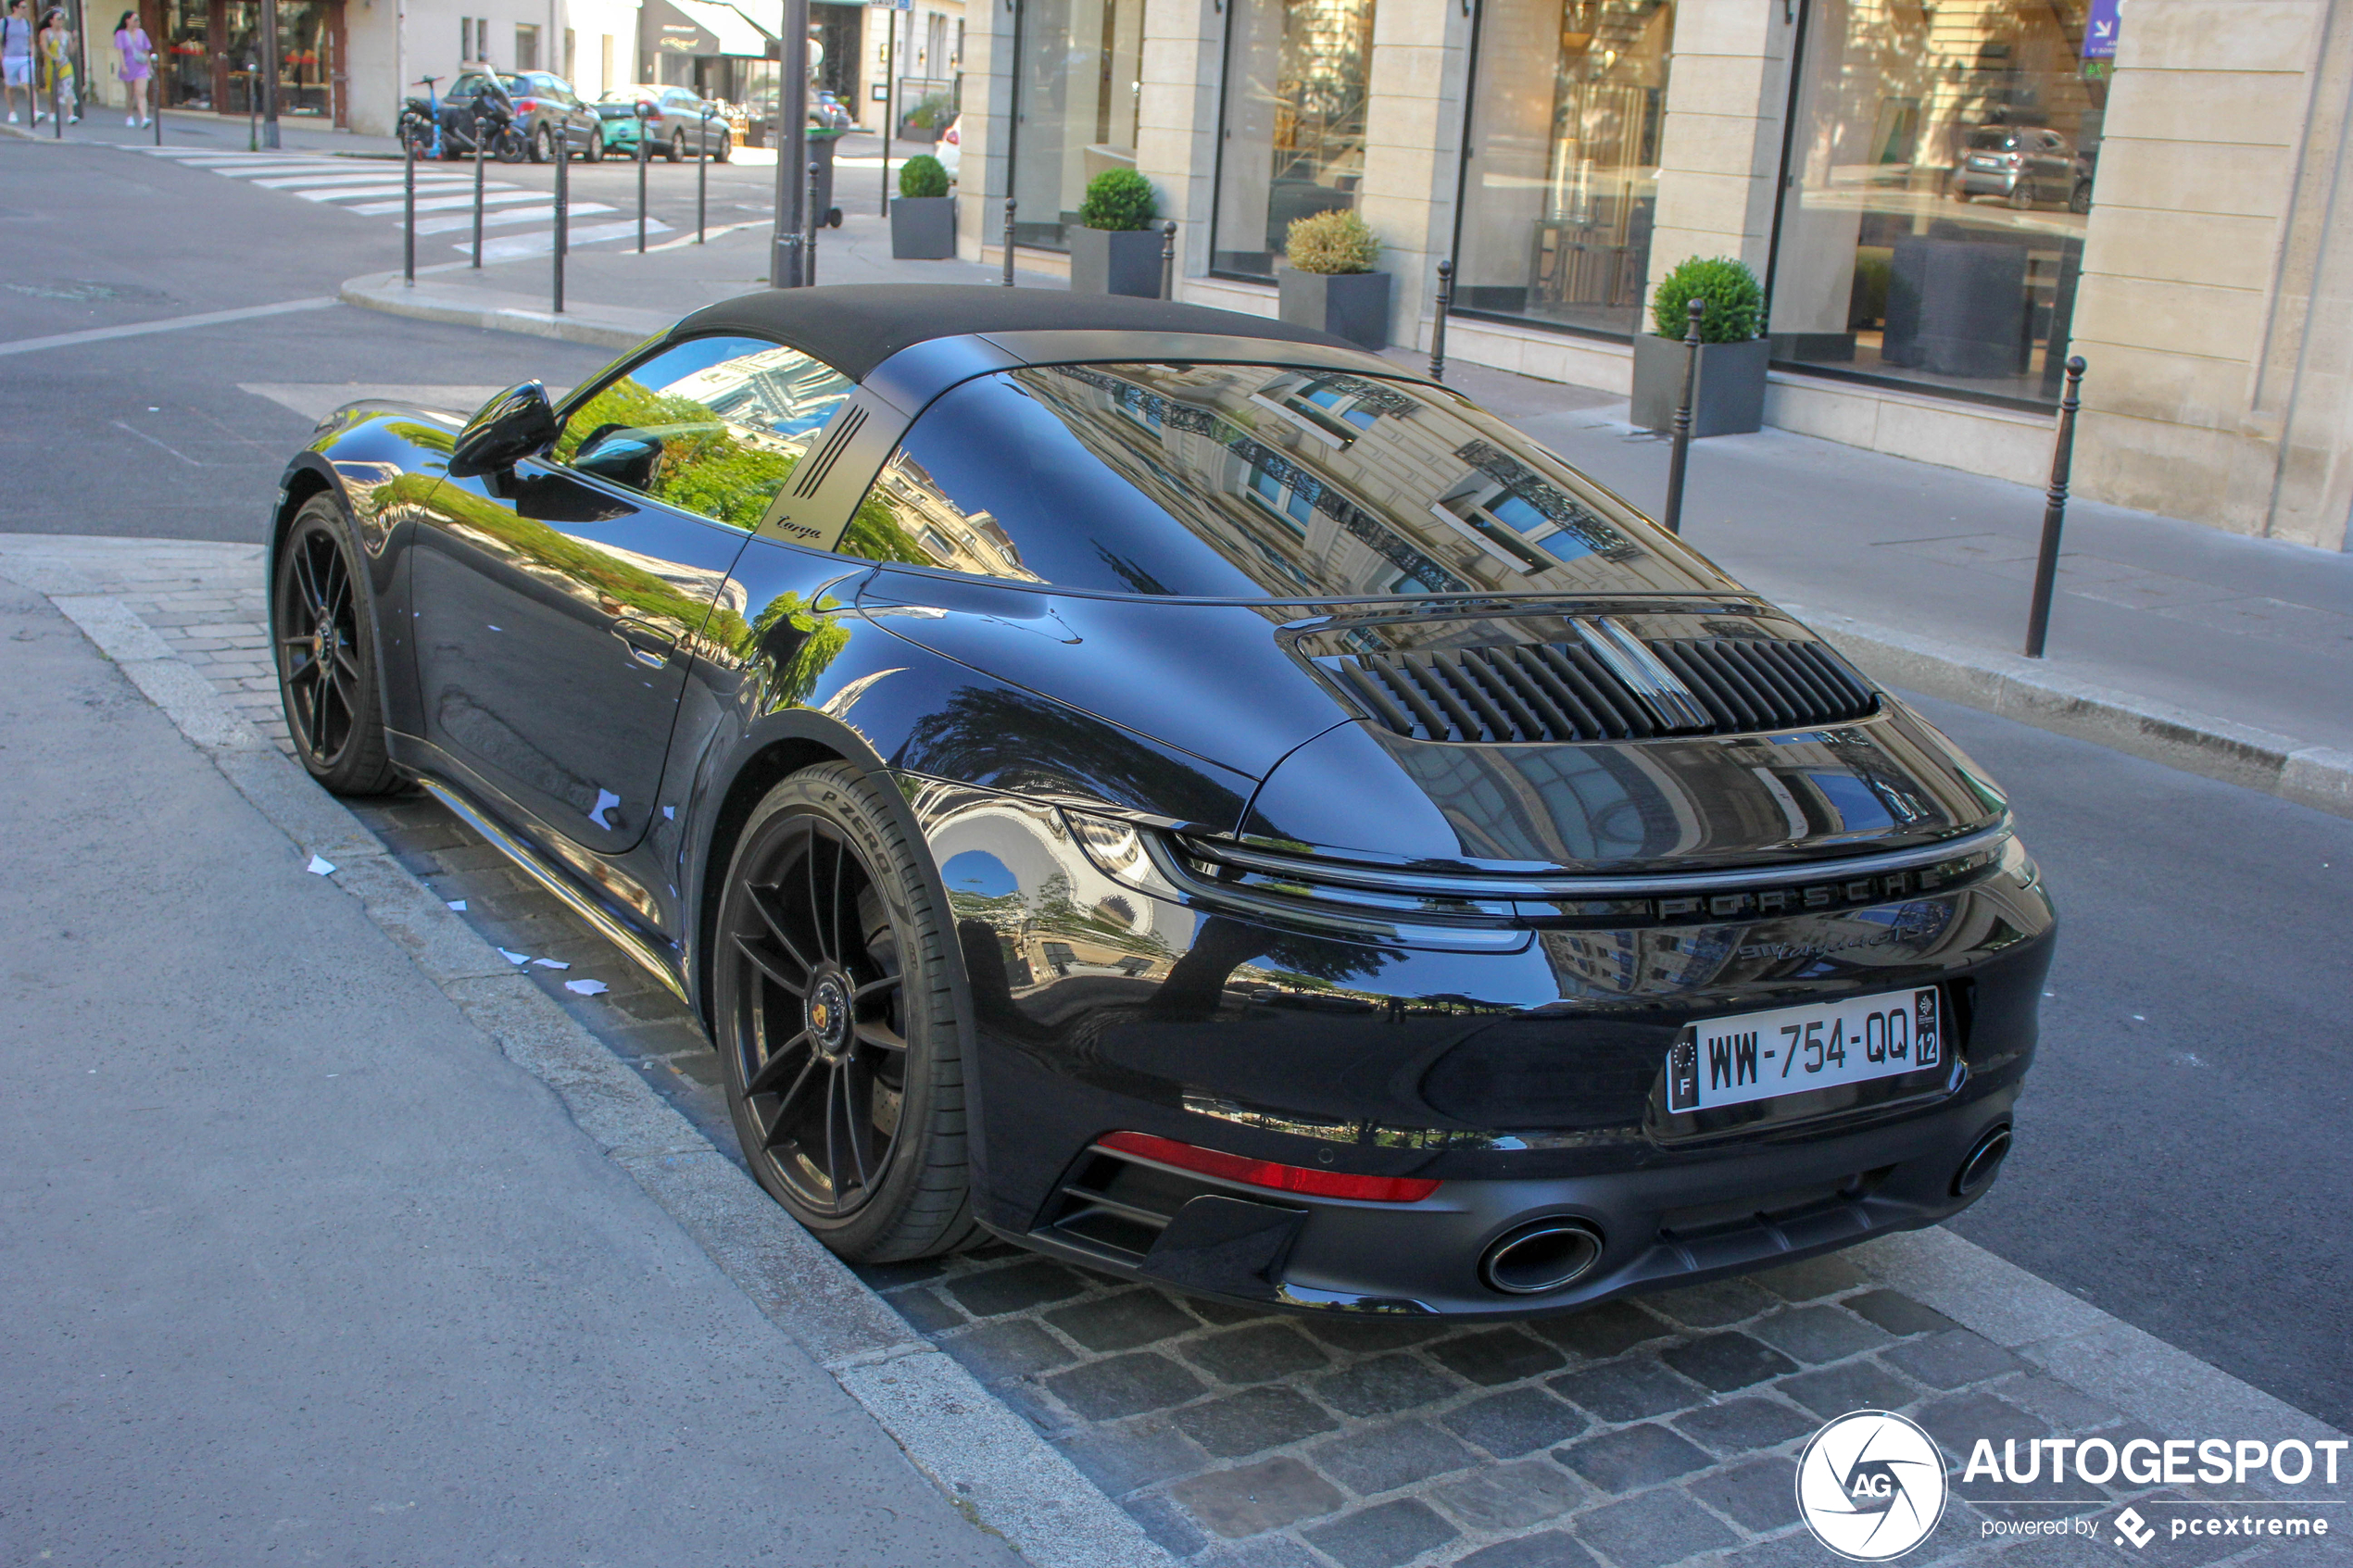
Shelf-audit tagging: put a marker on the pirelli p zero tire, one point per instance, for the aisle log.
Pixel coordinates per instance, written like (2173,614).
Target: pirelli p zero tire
(835,1021)
(323,633)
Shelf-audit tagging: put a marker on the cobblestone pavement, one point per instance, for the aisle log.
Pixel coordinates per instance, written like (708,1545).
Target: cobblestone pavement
(1636,1435)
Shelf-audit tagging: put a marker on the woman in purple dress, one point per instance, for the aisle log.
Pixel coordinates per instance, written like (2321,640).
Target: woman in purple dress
(138,64)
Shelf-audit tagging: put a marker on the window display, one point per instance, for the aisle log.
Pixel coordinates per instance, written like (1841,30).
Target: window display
(1294,138)
(1561,181)
(1941,167)
(1076,102)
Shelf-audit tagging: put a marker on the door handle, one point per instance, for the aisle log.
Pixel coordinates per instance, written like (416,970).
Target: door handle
(647,646)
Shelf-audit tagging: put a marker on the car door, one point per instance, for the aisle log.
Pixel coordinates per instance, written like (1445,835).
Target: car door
(554,603)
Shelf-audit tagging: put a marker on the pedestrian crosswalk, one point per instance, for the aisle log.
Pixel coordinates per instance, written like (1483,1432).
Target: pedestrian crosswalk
(524,220)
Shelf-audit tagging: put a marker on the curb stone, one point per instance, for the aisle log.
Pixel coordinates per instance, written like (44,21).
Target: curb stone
(991,1463)
(2011,685)
(598,326)
(994,1469)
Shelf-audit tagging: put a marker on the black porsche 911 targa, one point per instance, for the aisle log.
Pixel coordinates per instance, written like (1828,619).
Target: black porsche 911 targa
(1184,795)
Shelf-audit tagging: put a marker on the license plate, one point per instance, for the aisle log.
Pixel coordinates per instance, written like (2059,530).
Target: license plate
(1759,1055)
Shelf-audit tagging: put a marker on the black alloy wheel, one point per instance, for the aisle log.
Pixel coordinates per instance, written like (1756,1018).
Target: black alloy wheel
(678,153)
(543,144)
(835,1024)
(2022,196)
(322,628)
(595,153)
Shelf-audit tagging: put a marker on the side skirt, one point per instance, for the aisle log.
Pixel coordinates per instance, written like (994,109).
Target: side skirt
(558,884)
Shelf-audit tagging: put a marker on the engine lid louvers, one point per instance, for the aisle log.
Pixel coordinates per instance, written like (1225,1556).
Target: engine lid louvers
(1608,685)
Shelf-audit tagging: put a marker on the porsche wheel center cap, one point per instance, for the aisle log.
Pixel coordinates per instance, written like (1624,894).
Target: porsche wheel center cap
(323,641)
(828,1016)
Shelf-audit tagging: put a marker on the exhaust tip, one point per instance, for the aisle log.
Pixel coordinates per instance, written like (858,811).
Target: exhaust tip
(1983,1162)
(1540,1256)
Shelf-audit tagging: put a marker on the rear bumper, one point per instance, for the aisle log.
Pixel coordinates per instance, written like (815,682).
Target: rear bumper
(1659,1227)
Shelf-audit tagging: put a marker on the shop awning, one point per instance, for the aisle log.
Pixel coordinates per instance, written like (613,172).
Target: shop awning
(735,33)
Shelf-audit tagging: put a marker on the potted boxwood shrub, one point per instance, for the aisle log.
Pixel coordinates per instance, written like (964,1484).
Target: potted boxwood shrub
(1729,398)
(1330,284)
(923,220)
(1118,251)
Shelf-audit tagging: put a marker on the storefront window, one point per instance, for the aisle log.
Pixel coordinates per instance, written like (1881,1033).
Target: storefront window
(1293,139)
(188,73)
(1075,107)
(1940,165)
(1563,174)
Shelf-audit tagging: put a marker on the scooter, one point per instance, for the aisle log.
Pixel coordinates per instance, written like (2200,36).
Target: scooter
(420,123)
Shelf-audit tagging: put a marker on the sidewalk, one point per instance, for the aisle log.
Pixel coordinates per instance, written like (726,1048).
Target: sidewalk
(2227,656)
(300,1261)
(218,132)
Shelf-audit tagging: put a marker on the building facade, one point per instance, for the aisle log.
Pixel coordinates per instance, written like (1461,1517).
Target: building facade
(1945,200)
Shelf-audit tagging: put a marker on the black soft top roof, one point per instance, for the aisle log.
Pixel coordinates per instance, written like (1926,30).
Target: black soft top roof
(855,327)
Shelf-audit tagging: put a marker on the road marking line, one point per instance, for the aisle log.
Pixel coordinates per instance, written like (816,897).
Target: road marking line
(153,441)
(540,244)
(513,215)
(443,204)
(340,177)
(439,185)
(171,324)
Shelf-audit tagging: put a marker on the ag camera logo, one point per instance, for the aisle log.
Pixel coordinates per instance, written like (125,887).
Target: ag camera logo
(1870,1485)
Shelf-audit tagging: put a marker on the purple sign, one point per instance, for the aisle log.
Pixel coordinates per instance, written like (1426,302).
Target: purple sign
(2100,30)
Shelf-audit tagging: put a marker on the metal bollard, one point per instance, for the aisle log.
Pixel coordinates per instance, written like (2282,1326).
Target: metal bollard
(154,105)
(1438,326)
(1168,259)
(702,178)
(809,246)
(1682,430)
(645,156)
(478,134)
(57,104)
(1008,242)
(409,209)
(563,218)
(2038,615)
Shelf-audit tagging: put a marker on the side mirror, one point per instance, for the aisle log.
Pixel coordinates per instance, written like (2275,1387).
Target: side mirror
(516,424)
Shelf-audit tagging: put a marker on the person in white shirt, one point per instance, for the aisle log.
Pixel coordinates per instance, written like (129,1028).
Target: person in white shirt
(15,59)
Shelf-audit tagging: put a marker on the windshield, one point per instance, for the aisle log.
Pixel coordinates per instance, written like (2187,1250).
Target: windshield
(1248,481)
(629,95)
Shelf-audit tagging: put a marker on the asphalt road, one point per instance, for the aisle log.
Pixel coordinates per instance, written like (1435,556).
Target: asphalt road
(2181,1161)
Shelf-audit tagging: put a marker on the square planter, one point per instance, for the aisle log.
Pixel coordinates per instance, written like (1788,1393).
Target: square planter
(1114,261)
(922,228)
(1350,305)
(1729,398)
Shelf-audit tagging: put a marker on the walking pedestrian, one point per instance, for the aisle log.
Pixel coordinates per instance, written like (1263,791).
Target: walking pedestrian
(138,64)
(15,60)
(55,40)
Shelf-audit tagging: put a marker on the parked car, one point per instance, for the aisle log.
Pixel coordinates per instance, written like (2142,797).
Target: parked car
(2023,165)
(1186,796)
(677,125)
(950,150)
(827,112)
(545,109)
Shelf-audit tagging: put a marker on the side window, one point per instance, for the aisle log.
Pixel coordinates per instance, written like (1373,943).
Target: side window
(909,517)
(713,426)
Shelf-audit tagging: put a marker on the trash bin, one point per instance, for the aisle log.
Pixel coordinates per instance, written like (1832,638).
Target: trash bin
(820,190)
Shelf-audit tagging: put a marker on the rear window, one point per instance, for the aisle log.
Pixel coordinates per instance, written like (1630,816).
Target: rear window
(1248,481)
(1991,141)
